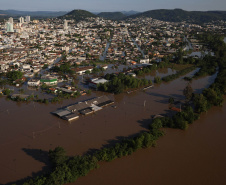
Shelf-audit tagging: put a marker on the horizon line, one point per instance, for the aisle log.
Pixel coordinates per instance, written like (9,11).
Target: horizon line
(106,11)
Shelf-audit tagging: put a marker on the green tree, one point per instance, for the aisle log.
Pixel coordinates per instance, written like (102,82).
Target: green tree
(58,156)
(213,97)
(14,75)
(6,92)
(148,140)
(87,72)
(188,91)
(200,102)
(157,80)
(171,101)
(45,66)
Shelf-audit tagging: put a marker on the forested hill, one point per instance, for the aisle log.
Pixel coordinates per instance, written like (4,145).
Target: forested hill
(43,14)
(112,15)
(78,15)
(178,15)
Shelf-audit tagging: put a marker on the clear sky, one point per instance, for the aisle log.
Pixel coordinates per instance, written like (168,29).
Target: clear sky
(111,5)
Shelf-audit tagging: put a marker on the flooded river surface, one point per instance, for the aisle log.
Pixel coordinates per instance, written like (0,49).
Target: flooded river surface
(192,157)
(195,156)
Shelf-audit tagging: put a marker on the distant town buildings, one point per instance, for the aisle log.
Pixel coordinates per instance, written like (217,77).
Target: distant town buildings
(9,27)
(28,19)
(21,19)
(11,20)
(65,24)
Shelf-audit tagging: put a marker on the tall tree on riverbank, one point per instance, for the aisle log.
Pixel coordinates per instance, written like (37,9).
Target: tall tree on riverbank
(188,92)
(171,102)
(200,102)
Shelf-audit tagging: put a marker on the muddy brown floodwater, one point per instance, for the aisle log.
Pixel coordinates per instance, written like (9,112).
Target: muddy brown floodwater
(195,156)
(192,157)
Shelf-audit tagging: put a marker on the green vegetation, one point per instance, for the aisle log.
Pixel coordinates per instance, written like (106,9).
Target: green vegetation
(208,66)
(112,15)
(65,169)
(120,83)
(3,82)
(180,120)
(6,92)
(213,96)
(200,103)
(189,79)
(178,74)
(188,92)
(45,66)
(179,15)
(63,69)
(157,80)
(33,14)
(78,15)
(14,75)
(171,101)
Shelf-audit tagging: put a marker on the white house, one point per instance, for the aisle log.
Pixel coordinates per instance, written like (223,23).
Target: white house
(144,61)
(104,67)
(26,67)
(82,70)
(4,67)
(33,82)
(94,82)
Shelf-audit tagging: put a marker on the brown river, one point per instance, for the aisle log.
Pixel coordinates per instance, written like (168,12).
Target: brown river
(194,156)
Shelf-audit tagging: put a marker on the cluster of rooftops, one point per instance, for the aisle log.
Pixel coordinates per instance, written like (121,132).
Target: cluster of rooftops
(72,112)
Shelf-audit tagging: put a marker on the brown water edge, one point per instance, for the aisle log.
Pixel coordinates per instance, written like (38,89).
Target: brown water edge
(192,157)
(27,128)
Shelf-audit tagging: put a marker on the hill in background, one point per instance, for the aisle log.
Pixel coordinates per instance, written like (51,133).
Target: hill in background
(41,14)
(112,15)
(78,15)
(117,15)
(131,12)
(178,15)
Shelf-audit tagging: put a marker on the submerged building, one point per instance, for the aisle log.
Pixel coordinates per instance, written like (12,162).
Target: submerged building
(72,112)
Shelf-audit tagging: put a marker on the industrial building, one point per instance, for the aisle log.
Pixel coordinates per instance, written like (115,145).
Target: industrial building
(72,112)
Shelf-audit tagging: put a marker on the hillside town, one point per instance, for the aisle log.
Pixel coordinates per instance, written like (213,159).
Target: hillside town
(50,51)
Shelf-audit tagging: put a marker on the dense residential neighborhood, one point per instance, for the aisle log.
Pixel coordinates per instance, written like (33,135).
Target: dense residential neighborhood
(56,53)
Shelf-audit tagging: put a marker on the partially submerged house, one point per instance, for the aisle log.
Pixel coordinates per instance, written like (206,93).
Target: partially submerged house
(94,82)
(33,82)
